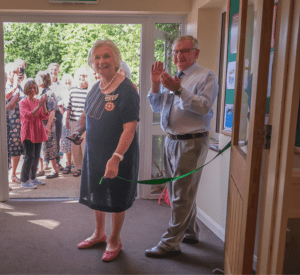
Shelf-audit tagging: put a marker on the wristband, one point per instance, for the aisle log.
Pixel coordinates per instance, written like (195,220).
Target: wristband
(120,156)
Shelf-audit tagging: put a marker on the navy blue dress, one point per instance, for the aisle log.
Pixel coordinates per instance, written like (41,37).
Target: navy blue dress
(104,127)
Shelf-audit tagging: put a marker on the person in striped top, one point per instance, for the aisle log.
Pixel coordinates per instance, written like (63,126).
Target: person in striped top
(75,108)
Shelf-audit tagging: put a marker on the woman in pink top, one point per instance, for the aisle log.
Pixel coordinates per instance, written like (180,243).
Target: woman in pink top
(33,133)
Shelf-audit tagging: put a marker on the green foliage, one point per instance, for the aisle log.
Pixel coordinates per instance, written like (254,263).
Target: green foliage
(40,44)
(172,31)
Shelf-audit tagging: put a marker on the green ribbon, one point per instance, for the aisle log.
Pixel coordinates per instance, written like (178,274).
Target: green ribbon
(164,180)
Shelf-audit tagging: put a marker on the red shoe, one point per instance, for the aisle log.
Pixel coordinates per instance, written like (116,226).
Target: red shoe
(87,244)
(108,256)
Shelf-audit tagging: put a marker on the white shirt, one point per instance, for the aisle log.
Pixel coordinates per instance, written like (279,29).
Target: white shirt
(192,111)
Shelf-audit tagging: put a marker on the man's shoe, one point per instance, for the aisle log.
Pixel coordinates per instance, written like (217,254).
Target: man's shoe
(40,173)
(190,240)
(52,175)
(159,252)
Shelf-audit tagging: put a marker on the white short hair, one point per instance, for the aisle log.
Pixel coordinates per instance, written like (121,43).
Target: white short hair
(188,37)
(10,67)
(107,42)
(126,69)
(65,77)
(80,71)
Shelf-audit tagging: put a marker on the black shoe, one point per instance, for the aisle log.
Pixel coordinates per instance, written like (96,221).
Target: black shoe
(158,252)
(59,167)
(190,241)
(52,175)
(40,173)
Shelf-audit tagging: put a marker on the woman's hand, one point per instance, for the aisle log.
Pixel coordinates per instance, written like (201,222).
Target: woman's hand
(77,142)
(48,131)
(43,99)
(16,81)
(68,123)
(15,99)
(112,167)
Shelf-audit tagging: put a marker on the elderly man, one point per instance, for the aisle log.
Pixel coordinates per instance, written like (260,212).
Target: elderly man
(53,70)
(185,102)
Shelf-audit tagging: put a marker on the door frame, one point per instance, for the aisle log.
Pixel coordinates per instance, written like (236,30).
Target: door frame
(245,168)
(282,182)
(146,59)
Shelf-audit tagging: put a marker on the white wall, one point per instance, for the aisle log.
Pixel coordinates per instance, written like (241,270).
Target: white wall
(213,190)
(204,22)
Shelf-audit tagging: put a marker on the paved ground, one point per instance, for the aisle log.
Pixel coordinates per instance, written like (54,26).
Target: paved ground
(65,186)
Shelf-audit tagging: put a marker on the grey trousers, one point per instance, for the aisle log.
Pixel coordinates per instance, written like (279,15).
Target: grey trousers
(181,157)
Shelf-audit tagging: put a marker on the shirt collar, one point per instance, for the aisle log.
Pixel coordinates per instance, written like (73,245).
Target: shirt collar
(190,69)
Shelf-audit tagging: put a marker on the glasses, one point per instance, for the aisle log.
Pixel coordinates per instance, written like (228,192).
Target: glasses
(183,51)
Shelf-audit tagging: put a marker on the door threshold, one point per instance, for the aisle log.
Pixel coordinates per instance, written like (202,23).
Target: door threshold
(44,199)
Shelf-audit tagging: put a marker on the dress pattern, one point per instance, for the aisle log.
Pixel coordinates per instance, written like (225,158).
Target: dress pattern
(8,137)
(103,131)
(15,144)
(49,147)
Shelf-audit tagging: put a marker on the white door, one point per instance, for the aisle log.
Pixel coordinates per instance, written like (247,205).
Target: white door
(162,34)
(255,28)
(279,240)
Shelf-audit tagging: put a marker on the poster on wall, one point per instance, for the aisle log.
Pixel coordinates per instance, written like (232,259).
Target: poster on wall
(230,80)
(234,33)
(228,117)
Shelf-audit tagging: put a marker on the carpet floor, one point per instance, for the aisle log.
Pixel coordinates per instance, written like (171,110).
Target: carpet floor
(40,237)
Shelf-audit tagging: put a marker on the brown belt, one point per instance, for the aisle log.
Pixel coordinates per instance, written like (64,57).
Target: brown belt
(187,136)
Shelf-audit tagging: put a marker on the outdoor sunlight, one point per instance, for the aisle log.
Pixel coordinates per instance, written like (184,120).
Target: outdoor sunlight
(50,224)
(5,206)
(20,214)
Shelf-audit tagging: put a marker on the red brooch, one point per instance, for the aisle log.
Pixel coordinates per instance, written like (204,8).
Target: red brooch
(109,106)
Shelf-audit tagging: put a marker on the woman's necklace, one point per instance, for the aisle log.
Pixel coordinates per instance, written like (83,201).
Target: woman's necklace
(113,79)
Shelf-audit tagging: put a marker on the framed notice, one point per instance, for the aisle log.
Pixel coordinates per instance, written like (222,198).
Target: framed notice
(74,1)
(234,33)
(230,79)
(227,116)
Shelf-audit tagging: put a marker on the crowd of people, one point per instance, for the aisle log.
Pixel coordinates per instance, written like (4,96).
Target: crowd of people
(101,122)
(64,101)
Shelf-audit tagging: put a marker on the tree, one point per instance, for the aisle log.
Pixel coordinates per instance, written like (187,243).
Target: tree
(40,44)
(172,31)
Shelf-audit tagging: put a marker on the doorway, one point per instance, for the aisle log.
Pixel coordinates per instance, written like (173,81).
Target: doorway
(141,67)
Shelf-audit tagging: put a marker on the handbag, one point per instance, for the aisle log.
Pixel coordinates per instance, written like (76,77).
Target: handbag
(164,197)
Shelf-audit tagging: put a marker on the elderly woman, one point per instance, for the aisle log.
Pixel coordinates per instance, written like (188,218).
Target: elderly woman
(12,88)
(65,144)
(77,99)
(110,118)
(49,148)
(10,107)
(33,133)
